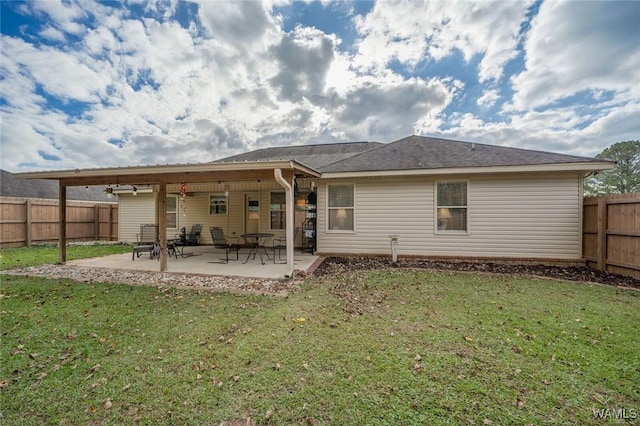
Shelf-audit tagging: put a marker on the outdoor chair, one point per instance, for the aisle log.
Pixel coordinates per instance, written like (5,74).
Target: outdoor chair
(147,241)
(221,241)
(190,239)
(280,244)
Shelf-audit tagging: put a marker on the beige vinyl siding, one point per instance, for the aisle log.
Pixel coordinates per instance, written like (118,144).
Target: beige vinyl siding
(140,209)
(509,216)
(133,212)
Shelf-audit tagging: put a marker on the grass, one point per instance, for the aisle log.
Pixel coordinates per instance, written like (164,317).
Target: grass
(37,255)
(383,347)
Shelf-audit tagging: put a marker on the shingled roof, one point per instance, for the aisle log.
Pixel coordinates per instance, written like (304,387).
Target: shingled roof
(315,156)
(418,152)
(12,186)
(410,153)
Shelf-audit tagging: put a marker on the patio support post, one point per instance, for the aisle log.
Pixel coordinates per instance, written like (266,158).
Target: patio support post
(62,223)
(161,212)
(289,221)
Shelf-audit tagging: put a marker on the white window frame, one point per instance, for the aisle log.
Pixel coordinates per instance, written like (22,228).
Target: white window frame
(176,212)
(352,208)
(219,195)
(437,206)
(279,210)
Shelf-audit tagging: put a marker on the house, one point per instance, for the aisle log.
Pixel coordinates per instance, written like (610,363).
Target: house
(441,198)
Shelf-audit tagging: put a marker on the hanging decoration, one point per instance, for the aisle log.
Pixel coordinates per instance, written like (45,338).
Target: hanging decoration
(183,198)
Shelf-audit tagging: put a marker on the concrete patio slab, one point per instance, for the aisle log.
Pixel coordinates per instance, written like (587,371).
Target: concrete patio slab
(200,260)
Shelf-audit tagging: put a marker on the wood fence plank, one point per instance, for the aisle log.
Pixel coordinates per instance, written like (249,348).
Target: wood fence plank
(28,209)
(602,234)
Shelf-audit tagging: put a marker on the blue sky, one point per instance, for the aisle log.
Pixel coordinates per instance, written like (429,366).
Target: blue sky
(97,84)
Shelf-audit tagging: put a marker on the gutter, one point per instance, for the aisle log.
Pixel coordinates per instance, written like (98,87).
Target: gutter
(556,167)
(277,173)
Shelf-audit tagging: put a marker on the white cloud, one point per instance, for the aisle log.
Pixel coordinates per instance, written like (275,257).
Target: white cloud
(60,73)
(386,110)
(580,46)
(63,15)
(52,34)
(304,57)
(489,98)
(413,32)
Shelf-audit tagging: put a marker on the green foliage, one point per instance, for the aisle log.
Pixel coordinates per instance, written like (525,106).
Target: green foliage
(624,177)
(384,347)
(38,255)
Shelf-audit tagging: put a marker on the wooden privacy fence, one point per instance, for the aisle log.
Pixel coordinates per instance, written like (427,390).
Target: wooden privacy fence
(24,222)
(611,233)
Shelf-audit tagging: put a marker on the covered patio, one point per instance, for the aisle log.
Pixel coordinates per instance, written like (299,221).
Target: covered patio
(282,173)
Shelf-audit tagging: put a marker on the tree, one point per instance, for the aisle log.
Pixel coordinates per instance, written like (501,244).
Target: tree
(624,177)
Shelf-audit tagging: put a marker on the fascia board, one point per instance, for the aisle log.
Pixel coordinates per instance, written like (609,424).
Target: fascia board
(169,169)
(559,167)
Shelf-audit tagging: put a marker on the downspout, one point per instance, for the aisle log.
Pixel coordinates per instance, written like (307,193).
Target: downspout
(289,219)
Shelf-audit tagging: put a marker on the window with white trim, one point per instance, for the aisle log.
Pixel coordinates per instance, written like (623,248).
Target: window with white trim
(340,207)
(172,211)
(217,204)
(278,210)
(451,207)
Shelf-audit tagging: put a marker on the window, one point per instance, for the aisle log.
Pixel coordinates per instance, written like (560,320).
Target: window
(172,211)
(278,210)
(217,204)
(340,205)
(451,207)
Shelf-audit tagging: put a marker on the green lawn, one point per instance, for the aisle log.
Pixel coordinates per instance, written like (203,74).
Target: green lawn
(384,347)
(37,255)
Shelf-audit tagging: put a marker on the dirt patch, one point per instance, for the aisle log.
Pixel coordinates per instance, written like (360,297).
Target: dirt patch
(333,266)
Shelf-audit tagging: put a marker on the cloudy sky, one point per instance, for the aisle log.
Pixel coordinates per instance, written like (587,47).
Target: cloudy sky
(96,84)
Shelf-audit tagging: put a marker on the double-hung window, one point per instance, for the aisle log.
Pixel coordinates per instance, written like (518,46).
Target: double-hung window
(340,206)
(451,207)
(172,211)
(278,210)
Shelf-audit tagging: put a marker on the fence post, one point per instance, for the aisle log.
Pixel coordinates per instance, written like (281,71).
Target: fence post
(110,236)
(27,236)
(62,222)
(96,221)
(602,234)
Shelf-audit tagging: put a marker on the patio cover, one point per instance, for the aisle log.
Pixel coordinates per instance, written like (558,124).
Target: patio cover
(283,171)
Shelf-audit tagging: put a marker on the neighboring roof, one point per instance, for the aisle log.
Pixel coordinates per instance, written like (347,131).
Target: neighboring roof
(418,152)
(315,156)
(12,186)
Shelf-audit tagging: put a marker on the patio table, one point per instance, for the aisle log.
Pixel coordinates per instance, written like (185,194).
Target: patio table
(174,249)
(259,246)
